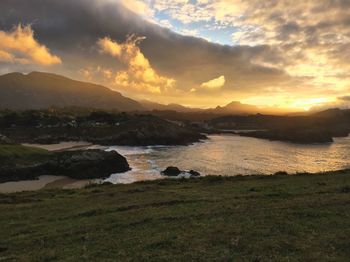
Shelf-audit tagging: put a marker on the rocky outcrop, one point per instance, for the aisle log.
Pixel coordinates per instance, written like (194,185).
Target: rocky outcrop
(300,136)
(172,171)
(87,164)
(194,173)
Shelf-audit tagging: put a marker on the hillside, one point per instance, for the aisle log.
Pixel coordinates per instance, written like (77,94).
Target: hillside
(42,90)
(50,127)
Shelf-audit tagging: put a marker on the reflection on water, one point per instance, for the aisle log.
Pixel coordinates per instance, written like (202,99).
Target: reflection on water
(231,155)
(226,155)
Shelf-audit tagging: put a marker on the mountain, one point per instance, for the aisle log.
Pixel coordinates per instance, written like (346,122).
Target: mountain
(39,90)
(42,90)
(236,107)
(333,113)
(149,105)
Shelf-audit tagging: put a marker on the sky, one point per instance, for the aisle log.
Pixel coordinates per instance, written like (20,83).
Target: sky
(292,55)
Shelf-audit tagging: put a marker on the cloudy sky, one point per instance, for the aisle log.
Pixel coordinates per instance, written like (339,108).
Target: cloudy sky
(272,53)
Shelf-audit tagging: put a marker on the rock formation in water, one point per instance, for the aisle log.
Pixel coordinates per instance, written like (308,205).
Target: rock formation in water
(172,171)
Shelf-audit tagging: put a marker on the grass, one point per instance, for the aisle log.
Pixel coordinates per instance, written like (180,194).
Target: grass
(21,155)
(277,218)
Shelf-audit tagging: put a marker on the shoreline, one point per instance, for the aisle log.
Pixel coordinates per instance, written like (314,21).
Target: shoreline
(64,182)
(45,182)
(148,162)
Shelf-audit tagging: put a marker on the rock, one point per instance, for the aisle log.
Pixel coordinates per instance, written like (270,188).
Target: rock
(194,173)
(281,173)
(88,164)
(171,171)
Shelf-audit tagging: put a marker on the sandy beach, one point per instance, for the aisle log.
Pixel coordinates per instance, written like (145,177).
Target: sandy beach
(67,146)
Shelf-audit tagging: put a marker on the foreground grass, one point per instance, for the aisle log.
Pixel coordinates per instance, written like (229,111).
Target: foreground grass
(280,218)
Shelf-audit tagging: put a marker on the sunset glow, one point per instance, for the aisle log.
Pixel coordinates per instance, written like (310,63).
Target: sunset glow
(203,53)
(174,130)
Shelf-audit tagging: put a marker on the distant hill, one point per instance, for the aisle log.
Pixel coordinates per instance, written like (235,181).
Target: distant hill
(42,90)
(236,107)
(335,113)
(149,105)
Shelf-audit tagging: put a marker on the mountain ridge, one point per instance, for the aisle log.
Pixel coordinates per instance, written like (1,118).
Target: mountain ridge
(38,90)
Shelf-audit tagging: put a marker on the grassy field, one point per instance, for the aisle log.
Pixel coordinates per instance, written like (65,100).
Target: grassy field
(21,155)
(279,218)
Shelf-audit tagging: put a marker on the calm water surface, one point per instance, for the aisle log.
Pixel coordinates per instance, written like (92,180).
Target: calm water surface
(231,155)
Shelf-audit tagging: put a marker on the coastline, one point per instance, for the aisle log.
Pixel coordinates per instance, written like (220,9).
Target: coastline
(147,162)
(45,182)
(49,182)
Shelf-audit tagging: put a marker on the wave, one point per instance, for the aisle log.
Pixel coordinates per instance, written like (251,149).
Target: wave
(129,150)
(134,175)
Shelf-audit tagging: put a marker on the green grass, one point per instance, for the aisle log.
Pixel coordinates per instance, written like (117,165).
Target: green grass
(279,218)
(21,155)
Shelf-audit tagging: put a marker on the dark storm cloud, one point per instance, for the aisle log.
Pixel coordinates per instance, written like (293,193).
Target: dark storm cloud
(72,28)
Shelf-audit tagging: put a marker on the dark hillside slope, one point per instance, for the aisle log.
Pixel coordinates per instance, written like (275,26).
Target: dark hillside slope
(42,90)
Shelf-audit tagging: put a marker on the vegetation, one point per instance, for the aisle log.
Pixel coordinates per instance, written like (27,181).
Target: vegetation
(61,117)
(98,127)
(257,218)
(21,155)
(320,127)
(294,135)
(114,128)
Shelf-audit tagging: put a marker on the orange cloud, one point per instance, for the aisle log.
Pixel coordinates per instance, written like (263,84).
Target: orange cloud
(20,46)
(139,74)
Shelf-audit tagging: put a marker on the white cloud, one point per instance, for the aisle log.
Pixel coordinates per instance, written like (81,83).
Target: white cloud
(138,7)
(216,83)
